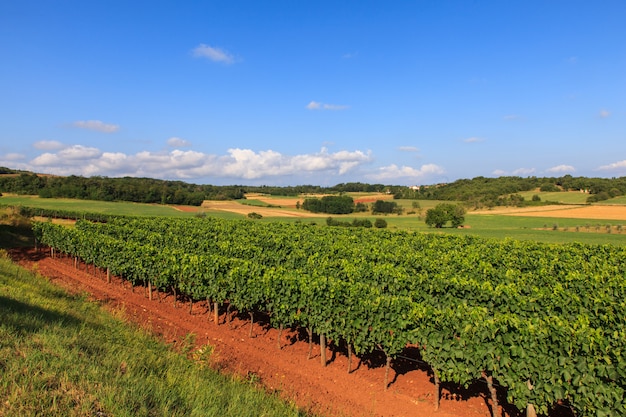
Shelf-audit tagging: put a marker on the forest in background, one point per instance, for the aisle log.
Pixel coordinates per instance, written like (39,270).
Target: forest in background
(477,192)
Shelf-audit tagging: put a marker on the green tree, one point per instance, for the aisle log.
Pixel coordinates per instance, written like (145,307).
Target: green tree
(386,207)
(380,223)
(443,213)
(330,204)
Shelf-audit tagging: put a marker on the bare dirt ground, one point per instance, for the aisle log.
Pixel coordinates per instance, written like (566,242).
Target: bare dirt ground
(594,212)
(329,391)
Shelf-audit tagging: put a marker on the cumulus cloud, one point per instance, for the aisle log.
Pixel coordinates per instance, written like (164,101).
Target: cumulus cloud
(393,172)
(517,172)
(408,149)
(604,114)
(561,168)
(615,166)
(213,53)
(316,105)
(96,125)
(524,171)
(236,164)
(473,139)
(175,142)
(48,145)
(79,152)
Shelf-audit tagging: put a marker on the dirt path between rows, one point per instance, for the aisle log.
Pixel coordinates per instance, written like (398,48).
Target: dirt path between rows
(329,391)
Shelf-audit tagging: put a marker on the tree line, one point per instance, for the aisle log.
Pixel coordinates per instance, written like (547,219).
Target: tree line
(483,191)
(477,192)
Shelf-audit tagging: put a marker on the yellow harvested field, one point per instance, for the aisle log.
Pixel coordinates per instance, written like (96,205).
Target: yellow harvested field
(284,206)
(235,207)
(595,212)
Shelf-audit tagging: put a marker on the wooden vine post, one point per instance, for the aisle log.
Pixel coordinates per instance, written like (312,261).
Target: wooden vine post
(251,323)
(349,357)
(437,389)
(530,408)
(323,348)
(280,335)
(310,332)
(387,368)
(492,391)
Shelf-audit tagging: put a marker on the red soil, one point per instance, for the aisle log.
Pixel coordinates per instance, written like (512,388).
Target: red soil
(328,391)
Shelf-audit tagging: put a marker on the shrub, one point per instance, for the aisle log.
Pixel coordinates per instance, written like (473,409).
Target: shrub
(380,223)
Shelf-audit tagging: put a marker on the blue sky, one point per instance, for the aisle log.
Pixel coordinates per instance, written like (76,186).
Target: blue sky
(313,92)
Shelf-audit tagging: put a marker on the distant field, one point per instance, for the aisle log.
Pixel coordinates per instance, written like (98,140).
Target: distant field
(569,197)
(616,200)
(106,207)
(565,197)
(560,223)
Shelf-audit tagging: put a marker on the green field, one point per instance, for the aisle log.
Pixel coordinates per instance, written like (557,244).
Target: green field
(568,197)
(111,207)
(105,207)
(61,355)
(565,197)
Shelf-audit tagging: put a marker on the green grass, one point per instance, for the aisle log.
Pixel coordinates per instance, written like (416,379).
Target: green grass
(106,207)
(15,230)
(61,355)
(254,203)
(569,197)
(538,229)
(544,229)
(565,197)
(617,200)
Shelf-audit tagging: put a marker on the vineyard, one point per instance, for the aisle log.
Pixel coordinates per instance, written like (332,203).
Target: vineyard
(544,321)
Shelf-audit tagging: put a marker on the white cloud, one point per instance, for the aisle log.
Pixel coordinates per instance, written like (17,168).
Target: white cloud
(213,53)
(393,172)
(615,166)
(473,139)
(237,164)
(604,114)
(517,172)
(48,145)
(96,125)
(14,157)
(48,160)
(316,105)
(175,142)
(561,168)
(524,171)
(408,149)
(79,152)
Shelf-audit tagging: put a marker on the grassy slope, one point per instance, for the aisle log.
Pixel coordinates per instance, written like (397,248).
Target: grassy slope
(106,207)
(63,356)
